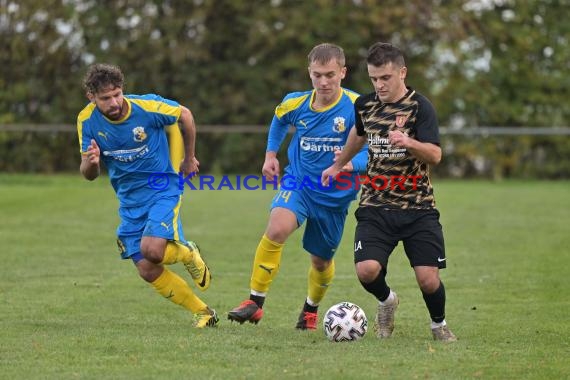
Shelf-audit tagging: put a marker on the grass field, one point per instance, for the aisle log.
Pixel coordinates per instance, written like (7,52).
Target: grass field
(71,309)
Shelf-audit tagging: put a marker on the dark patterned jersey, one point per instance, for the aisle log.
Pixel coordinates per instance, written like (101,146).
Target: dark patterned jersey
(396,179)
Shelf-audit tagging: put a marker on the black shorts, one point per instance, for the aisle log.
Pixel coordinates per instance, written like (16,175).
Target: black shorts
(379,230)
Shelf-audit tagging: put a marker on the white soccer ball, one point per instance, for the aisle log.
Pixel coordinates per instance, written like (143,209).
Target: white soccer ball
(345,321)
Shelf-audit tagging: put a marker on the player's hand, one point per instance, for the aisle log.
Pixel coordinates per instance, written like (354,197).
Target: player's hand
(270,168)
(188,166)
(399,139)
(93,153)
(329,174)
(348,167)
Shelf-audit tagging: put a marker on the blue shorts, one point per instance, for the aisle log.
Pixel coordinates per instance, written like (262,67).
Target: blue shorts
(161,219)
(324,225)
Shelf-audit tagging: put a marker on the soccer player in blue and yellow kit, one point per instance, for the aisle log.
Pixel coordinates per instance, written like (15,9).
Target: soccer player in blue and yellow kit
(323,118)
(127,133)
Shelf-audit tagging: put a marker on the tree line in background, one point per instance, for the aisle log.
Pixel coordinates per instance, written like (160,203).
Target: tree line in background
(482,63)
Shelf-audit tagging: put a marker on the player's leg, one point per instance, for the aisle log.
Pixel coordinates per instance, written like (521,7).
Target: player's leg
(175,289)
(285,217)
(144,234)
(320,276)
(163,222)
(373,244)
(282,223)
(426,251)
(322,236)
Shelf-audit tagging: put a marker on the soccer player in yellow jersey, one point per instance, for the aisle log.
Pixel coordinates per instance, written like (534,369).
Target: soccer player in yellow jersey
(126,133)
(323,118)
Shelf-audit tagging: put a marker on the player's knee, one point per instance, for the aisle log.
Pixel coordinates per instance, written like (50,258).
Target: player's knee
(152,252)
(278,234)
(148,271)
(319,264)
(367,271)
(428,284)
(282,223)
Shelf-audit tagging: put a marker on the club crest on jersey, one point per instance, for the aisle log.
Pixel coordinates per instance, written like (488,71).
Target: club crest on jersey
(401,120)
(338,124)
(139,134)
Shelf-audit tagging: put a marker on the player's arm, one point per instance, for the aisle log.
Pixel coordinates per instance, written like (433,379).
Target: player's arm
(90,165)
(354,156)
(423,151)
(353,145)
(275,137)
(188,130)
(425,146)
(270,167)
(360,160)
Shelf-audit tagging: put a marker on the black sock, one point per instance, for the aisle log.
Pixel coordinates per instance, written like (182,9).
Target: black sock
(378,287)
(309,308)
(259,300)
(435,303)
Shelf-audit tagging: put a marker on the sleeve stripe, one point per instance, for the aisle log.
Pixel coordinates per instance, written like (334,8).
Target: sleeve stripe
(158,107)
(289,105)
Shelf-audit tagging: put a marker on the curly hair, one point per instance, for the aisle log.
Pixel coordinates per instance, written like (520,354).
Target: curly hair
(100,76)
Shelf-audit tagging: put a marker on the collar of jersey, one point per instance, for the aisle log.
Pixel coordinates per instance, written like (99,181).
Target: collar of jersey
(313,93)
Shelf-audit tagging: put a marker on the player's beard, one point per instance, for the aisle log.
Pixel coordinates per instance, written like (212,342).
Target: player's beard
(114,113)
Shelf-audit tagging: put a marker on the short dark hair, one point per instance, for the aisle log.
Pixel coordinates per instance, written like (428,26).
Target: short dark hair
(102,75)
(325,52)
(382,53)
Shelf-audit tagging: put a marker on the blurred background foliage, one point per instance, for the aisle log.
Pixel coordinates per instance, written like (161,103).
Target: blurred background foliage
(502,63)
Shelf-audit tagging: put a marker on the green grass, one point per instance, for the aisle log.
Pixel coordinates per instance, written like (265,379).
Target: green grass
(70,308)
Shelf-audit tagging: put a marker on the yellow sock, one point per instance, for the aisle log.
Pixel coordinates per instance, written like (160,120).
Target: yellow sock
(176,252)
(319,282)
(266,264)
(175,289)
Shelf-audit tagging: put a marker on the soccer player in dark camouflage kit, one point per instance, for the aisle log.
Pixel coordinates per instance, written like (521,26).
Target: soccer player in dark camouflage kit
(397,201)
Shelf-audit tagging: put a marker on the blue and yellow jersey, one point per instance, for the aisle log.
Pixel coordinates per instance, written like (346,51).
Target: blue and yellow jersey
(318,133)
(135,147)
